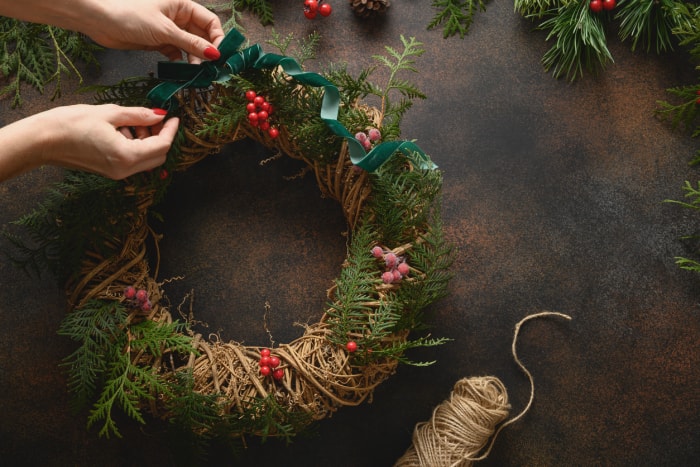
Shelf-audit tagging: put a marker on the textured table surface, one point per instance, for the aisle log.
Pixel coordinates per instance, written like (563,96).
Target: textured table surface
(553,198)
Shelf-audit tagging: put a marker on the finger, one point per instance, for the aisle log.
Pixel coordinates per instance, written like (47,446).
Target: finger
(126,132)
(132,116)
(142,132)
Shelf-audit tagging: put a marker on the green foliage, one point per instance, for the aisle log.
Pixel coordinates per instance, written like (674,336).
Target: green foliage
(103,361)
(260,8)
(37,55)
(650,22)
(398,61)
(78,214)
(692,194)
(456,15)
(580,41)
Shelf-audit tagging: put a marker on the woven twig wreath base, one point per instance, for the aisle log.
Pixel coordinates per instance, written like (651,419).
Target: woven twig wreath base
(319,376)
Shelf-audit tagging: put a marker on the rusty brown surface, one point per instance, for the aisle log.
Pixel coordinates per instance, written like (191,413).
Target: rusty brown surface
(553,198)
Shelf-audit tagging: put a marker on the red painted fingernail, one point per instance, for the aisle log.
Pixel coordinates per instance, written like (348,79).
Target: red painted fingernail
(158,111)
(211,53)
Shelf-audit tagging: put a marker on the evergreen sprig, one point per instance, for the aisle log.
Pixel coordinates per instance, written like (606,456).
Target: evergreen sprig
(456,16)
(692,194)
(36,55)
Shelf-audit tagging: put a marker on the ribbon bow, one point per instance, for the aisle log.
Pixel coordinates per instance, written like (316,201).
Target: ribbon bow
(180,75)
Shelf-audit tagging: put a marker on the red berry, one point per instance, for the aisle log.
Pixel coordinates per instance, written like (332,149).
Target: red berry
(325,9)
(163,174)
(310,14)
(273,132)
(264,126)
(274,362)
(403,269)
(250,95)
(262,115)
(265,106)
(351,346)
(146,306)
(268,109)
(397,275)
(377,252)
(367,144)
(374,135)
(265,360)
(388,277)
(129,292)
(250,107)
(258,101)
(311,5)
(596,6)
(391,259)
(141,295)
(264,352)
(278,374)
(265,370)
(608,4)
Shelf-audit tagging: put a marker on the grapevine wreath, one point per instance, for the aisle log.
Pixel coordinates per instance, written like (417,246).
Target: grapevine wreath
(134,355)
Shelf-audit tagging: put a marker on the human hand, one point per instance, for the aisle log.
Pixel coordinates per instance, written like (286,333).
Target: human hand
(108,139)
(167,26)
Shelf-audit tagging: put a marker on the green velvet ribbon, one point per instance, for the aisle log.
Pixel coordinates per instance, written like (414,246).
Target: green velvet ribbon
(181,75)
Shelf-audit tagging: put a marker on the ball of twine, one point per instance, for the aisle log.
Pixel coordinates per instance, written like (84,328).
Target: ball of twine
(462,425)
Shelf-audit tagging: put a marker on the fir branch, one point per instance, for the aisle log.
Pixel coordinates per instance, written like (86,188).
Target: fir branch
(650,22)
(456,15)
(398,61)
(261,8)
(35,55)
(580,41)
(534,8)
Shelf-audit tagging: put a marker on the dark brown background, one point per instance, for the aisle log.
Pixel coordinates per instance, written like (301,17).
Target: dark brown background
(553,198)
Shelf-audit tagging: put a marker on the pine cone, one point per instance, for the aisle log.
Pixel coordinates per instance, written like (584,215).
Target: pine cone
(369,8)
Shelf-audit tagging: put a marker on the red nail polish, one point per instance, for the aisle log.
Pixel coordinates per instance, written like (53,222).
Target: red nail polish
(211,53)
(158,111)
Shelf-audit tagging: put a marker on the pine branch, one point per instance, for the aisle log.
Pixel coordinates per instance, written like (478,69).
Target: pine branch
(580,41)
(261,8)
(650,22)
(456,16)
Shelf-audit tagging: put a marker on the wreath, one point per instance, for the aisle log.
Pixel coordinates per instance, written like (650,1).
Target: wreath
(136,354)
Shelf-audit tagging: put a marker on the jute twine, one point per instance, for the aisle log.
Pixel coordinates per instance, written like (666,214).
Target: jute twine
(319,377)
(461,426)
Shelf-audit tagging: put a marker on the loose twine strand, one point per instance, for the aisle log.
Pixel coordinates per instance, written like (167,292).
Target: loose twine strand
(461,426)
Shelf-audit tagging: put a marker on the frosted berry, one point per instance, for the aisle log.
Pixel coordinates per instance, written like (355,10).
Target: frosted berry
(147,305)
(265,370)
(361,136)
(129,292)
(278,374)
(273,132)
(250,95)
(397,275)
(391,260)
(367,144)
(403,269)
(351,346)
(388,277)
(325,9)
(374,134)
(377,252)
(141,295)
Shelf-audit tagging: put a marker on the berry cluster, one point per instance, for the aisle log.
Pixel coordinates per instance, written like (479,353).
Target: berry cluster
(312,8)
(397,268)
(259,112)
(269,365)
(597,6)
(373,136)
(138,298)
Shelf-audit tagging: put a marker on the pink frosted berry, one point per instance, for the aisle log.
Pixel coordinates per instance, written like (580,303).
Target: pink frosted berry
(374,134)
(391,259)
(367,144)
(141,295)
(146,305)
(361,136)
(388,277)
(397,275)
(403,269)
(129,292)
(377,252)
